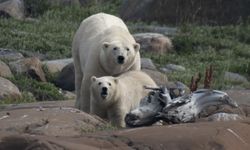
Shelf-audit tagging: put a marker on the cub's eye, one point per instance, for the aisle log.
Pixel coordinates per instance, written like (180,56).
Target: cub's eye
(99,83)
(109,84)
(115,48)
(127,49)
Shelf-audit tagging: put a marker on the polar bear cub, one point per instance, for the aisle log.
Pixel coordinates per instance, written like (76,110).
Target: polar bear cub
(102,46)
(113,97)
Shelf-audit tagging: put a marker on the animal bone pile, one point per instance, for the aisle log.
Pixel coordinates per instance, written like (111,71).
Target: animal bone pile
(159,105)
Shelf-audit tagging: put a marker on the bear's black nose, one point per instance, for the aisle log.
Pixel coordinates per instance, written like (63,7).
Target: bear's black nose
(104,89)
(120,59)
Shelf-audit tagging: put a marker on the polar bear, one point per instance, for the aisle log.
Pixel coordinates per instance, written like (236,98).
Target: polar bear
(113,97)
(102,46)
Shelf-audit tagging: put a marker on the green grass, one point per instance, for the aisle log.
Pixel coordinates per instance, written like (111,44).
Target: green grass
(227,48)
(52,32)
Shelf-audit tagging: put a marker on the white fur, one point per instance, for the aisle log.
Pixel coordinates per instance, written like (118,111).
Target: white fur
(93,53)
(124,95)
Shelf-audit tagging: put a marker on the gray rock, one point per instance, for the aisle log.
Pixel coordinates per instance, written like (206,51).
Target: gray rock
(8,90)
(174,67)
(235,77)
(30,66)
(168,31)
(147,63)
(158,77)
(165,70)
(69,95)
(154,42)
(10,55)
(66,78)
(55,66)
(14,8)
(5,70)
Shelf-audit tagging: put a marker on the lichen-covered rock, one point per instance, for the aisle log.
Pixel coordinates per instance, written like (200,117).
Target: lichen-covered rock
(10,55)
(147,63)
(66,78)
(30,66)
(55,66)
(158,77)
(8,90)
(5,70)
(13,8)
(235,77)
(154,42)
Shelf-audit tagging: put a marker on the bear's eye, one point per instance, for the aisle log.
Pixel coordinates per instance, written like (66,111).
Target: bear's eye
(109,84)
(115,48)
(127,49)
(99,83)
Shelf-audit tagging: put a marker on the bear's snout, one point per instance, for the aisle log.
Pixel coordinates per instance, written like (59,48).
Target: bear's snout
(104,92)
(120,59)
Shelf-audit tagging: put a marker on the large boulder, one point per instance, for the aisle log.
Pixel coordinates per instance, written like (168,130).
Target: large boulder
(57,118)
(66,78)
(158,77)
(5,70)
(147,63)
(9,55)
(8,90)
(55,66)
(154,42)
(30,66)
(13,8)
(179,11)
(235,77)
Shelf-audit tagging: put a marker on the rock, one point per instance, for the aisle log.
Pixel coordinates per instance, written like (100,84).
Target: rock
(167,31)
(8,90)
(173,67)
(30,66)
(50,119)
(9,55)
(66,78)
(177,12)
(147,63)
(69,95)
(55,66)
(40,56)
(158,77)
(154,42)
(14,8)
(64,2)
(5,70)
(235,77)
(230,135)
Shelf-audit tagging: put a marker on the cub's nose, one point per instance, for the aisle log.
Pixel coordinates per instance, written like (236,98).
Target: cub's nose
(104,89)
(120,59)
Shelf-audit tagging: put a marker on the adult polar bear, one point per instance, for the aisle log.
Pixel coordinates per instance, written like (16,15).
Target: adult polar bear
(102,46)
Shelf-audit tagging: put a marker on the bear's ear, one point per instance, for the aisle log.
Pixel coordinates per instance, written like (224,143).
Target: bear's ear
(116,81)
(136,47)
(93,78)
(105,45)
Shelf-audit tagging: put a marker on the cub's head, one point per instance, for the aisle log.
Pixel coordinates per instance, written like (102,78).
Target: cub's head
(119,54)
(103,88)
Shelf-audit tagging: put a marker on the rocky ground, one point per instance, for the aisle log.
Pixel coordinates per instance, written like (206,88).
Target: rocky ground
(57,125)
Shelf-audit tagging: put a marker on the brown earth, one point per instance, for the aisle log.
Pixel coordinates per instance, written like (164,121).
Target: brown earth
(56,125)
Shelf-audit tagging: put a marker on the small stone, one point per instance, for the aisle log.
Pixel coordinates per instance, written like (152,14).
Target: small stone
(147,63)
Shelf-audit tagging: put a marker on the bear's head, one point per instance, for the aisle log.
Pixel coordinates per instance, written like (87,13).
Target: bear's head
(104,88)
(118,55)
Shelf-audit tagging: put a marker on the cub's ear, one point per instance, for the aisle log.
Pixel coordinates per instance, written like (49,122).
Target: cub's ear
(136,47)
(105,45)
(93,78)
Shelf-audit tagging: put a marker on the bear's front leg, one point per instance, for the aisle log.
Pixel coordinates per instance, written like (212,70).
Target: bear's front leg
(84,100)
(97,109)
(117,115)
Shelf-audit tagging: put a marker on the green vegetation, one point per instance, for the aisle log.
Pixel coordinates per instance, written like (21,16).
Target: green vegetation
(227,48)
(41,90)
